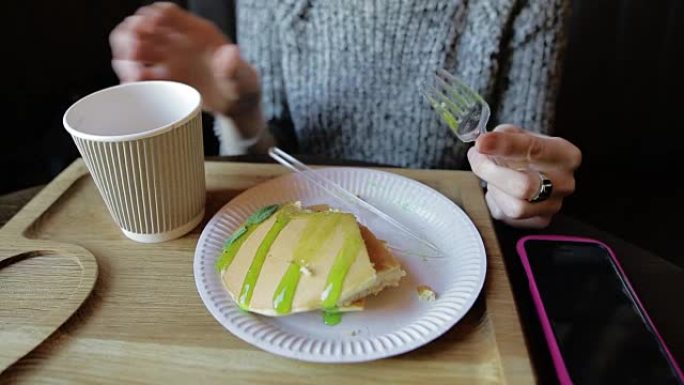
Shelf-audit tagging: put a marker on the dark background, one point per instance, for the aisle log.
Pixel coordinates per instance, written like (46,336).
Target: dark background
(620,102)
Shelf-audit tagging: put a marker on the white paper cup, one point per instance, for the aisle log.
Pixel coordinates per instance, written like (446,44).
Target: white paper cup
(142,143)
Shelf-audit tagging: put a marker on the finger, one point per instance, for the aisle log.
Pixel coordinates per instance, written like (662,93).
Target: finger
(515,208)
(519,184)
(512,128)
(140,50)
(494,208)
(169,15)
(226,61)
(161,11)
(531,223)
(238,81)
(534,222)
(515,183)
(542,151)
(126,70)
(133,71)
(508,128)
(133,40)
(225,67)
(118,39)
(498,214)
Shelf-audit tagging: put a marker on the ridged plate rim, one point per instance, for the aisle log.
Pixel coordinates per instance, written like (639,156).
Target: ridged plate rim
(448,225)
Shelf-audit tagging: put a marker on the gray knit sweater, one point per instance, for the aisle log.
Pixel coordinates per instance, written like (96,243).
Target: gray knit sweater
(344,73)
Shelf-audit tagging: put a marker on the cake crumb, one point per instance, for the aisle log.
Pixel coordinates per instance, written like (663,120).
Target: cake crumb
(425,293)
(305,270)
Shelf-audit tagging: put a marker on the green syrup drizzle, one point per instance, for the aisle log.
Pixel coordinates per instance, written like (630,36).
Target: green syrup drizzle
(332,317)
(233,243)
(258,262)
(230,251)
(261,215)
(343,261)
(314,235)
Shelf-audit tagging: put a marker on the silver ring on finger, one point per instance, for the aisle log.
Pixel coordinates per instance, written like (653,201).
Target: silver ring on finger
(545,189)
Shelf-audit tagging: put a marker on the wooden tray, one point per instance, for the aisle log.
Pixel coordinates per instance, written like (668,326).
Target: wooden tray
(145,322)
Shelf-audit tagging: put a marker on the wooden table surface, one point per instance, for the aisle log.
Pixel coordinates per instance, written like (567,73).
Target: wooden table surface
(144,322)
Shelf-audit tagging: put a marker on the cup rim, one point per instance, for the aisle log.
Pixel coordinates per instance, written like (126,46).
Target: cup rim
(138,135)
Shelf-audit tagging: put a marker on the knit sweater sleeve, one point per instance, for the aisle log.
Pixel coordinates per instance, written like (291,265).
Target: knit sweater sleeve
(259,43)
(530,75)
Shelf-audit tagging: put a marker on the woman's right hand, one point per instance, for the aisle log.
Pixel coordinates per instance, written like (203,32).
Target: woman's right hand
(164,42)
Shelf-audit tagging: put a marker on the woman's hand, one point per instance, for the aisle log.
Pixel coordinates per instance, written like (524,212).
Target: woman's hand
(510,160)
(162,41)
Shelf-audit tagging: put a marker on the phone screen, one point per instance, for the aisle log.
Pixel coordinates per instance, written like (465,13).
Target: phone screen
(602,335)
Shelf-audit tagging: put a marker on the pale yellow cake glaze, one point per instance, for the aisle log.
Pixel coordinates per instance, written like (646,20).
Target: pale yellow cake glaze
(312,254)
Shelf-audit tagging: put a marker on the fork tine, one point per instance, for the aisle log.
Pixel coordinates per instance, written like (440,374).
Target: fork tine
(456,98)
(459,106)
(434,96)
(444,102)
(459,89)
(451,79)
(444,107)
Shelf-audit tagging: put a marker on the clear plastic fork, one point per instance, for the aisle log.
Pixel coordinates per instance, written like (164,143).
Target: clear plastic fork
(404,240)
(461,108)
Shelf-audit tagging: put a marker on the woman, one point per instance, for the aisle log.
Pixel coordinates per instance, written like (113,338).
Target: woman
(339,79)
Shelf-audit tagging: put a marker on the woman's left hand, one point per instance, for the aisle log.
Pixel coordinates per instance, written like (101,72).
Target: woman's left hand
(513,162)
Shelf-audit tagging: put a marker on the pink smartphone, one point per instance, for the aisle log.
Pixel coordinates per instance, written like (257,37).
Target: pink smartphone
(595,326)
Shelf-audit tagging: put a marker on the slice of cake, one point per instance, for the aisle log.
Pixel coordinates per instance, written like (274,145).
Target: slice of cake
(286,259)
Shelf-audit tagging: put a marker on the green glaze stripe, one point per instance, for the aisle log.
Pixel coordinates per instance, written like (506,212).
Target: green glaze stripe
(338,272)
(332,317)
(258,261)
(319,228)
(229,252)
(284,294)
(261,215)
